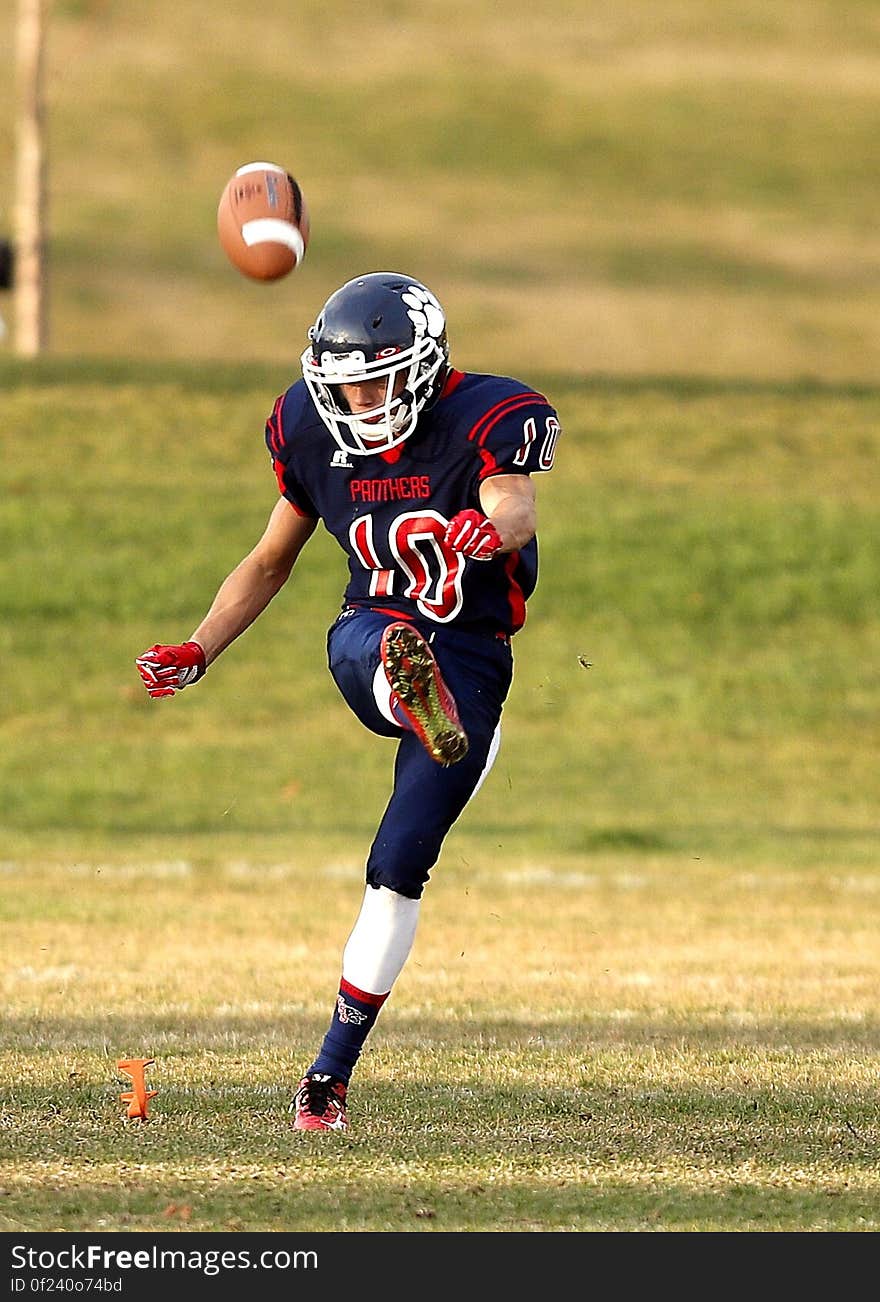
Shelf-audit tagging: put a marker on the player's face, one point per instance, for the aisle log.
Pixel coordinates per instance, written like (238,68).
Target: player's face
(368,394)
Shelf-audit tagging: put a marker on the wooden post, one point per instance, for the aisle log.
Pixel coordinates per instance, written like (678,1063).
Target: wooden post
(30,209)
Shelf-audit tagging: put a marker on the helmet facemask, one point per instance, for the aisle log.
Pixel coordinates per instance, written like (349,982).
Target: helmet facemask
(415,353)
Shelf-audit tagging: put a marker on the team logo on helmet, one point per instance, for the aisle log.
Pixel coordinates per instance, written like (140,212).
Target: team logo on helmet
(424,311)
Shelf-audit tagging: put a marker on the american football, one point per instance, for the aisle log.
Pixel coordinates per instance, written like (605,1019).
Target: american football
(263,222)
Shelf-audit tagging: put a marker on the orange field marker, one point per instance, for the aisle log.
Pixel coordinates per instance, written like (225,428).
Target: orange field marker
(138,1097)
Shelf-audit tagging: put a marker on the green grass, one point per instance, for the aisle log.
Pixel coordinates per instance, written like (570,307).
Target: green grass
(708,552)
(643,995)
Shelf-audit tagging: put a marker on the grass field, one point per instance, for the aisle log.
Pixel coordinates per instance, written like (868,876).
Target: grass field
(643,997)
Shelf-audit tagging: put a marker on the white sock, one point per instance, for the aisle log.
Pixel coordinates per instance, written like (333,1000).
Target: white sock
(382,695)
(381,940)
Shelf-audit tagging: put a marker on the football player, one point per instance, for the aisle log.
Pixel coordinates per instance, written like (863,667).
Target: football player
(424,475)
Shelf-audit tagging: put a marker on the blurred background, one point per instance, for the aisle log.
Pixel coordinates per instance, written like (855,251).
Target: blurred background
(660,186)
(662,213)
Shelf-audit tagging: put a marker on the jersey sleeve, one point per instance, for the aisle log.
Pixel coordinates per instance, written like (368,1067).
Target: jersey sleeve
(278,443)
(516,436)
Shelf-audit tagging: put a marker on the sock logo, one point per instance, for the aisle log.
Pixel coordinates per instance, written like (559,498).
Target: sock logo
(347,1014)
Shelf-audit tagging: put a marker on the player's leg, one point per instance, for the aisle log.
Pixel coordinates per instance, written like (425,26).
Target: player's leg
(355,661)
(373,958)
(389,676)
(428,796)
(426,800)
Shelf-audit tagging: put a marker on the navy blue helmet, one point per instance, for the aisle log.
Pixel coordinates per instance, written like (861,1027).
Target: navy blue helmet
(378,326)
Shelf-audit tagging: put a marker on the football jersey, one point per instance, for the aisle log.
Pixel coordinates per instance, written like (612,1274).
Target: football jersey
(389,510)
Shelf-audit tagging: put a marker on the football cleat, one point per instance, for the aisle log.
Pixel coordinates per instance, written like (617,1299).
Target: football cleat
(421,695)
(319,1103)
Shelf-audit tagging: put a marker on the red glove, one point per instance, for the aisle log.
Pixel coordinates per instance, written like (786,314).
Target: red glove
(473,535)
(168,669)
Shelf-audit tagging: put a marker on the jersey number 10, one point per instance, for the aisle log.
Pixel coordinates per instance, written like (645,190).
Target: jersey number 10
(430,572)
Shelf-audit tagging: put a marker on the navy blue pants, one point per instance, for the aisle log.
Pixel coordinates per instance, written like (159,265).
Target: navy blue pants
(427,798)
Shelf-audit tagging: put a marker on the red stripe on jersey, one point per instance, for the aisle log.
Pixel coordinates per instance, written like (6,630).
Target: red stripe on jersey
(490,465)
(453,380)
(346,988)
(276,441)
(386,610)
(499,406)
(515,596)
(507,409)
(279,475)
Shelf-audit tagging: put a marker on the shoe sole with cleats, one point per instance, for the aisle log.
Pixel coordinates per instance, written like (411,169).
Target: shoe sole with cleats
(422,695)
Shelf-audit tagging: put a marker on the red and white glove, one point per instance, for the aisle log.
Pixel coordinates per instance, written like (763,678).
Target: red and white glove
(473,535)
(168,669)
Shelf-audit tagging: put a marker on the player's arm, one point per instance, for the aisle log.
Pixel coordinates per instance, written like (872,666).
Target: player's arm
(243,595)
(506,523)
(247,591)
(509,502)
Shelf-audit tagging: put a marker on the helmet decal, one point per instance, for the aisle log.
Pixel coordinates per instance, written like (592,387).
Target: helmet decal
(425,312)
